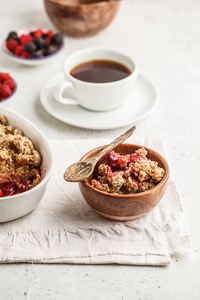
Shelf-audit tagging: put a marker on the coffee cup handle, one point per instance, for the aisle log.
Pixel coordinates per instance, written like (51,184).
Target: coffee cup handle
(58,91)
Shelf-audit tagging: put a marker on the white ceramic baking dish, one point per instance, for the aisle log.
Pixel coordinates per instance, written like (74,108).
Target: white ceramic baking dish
(13,207)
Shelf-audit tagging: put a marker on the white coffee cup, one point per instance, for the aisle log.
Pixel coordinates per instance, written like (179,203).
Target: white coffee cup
(96,96)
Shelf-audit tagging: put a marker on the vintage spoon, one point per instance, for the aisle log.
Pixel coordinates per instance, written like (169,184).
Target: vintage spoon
(83,169)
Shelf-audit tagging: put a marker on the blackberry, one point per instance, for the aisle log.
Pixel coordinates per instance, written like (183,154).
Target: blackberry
(38,54)
(57,39)
(12,35)
(39,42)
(44,36)
(51,49)
(29,47)
(32,33)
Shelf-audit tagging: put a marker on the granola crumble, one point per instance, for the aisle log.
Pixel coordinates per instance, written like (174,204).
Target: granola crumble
(20,162)
(127,174)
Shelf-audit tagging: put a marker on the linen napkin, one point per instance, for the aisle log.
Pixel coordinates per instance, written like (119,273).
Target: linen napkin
(64,229)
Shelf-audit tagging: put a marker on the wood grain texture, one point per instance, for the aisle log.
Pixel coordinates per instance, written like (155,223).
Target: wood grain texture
(129,206)
(81,18)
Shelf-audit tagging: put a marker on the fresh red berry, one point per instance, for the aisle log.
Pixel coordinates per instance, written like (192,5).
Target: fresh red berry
(10,82)
(11,44)
(50,33)
(25,39)
(4,76)
(5,91)
(48,41)
(18,50)
(25,54)
(38,33)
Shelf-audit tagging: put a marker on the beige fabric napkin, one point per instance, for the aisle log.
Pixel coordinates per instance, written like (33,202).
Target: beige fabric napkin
(64,229)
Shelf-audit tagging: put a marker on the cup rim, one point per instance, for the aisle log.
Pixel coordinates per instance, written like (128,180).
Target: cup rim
(73,79)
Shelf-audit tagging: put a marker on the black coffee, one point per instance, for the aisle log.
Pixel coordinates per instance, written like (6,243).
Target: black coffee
(100,71)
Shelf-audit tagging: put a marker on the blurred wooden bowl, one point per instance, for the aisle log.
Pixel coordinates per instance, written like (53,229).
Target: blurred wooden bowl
(129,206)
(81,18)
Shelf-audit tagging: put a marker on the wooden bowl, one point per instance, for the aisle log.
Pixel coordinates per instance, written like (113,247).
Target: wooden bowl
(81,18)
(129,206)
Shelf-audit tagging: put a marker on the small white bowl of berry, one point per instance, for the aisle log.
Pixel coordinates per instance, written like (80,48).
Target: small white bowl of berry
(34,46)
(8,86)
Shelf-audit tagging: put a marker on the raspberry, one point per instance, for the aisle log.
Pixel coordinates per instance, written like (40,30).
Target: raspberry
(25,39)
(18,50)
(29,47)
(39,42)
(10,82)
(5,91)
(12,35)
(25,54)
(38,33)
(51,49)
(4,77)
(50,33)
(48,41)
(57,39)
(11,44)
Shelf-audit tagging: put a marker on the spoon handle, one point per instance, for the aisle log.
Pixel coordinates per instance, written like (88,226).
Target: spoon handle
(112,145)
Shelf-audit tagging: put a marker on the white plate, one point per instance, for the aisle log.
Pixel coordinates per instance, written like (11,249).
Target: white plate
(29,61)
(137,106)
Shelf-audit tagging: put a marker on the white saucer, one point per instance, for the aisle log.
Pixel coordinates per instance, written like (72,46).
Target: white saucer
(144,95)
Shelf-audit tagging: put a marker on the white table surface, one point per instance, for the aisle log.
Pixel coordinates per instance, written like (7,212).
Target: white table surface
(163,37)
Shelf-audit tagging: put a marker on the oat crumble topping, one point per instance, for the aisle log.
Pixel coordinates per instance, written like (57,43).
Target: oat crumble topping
(127,174)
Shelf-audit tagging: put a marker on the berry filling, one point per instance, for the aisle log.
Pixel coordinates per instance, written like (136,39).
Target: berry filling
(112,159)
(14,188)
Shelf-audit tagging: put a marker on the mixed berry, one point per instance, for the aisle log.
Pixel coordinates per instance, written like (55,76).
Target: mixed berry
(126,174)
(7,86)
(35,44)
